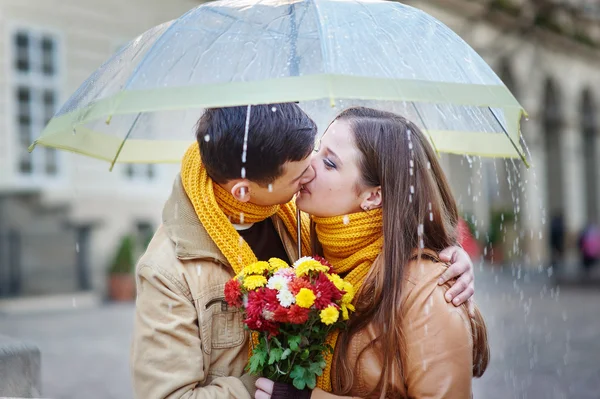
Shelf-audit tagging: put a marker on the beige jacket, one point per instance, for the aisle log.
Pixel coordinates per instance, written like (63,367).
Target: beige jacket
(186,342)
(438,337)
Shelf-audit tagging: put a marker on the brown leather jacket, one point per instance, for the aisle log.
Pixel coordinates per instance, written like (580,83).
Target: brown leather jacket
(438,337)
(186,342)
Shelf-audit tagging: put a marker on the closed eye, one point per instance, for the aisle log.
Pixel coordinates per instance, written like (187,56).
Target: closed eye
(329,164)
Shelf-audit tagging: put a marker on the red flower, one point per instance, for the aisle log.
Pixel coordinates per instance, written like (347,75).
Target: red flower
(298,283)
(259,300)
(326,292)
(298,315)
(280,315)
(324,262)
(233,293)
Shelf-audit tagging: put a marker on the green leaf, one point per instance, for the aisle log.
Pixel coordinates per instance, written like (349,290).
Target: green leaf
(311,380)
(316,368)
(294,342)
(298,373)
(275,355)
(286,353)
(257,362)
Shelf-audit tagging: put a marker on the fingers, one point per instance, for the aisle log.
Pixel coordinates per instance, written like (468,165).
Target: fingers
(463,284)
(261,395)
(447,255)
(463,296)
(265,385)
(455,270)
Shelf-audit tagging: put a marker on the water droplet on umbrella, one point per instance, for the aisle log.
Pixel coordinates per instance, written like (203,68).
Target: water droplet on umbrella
(243,173)
(346,219)
(207,138)
(270,188)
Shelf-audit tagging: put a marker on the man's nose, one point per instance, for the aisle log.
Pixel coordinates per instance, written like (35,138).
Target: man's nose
(308,175)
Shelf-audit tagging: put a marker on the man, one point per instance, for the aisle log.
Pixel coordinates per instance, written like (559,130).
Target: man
(187,342)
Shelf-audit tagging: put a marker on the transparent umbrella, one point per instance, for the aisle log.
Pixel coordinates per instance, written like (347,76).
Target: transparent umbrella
(142,104)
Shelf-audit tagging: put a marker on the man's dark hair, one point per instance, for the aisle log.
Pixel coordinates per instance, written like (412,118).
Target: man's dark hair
(277,133)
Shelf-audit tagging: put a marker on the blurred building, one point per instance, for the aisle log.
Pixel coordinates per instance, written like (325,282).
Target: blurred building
(62,215)
(548,54)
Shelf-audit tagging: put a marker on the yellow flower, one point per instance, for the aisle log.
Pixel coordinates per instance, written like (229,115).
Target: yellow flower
(329,315)
(305,298)
(256,268)
(277,264)
(309,265)
(345,309)
(349,295)
(254,282)
(337,281)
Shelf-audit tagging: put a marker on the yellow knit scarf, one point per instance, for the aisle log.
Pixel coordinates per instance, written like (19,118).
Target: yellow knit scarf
(351,244)
(217,209)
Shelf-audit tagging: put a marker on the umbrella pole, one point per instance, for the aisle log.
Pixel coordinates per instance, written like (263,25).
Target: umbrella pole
(523,158)
(299,231)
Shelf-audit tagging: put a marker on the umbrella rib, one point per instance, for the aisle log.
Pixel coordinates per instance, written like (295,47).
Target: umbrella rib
(523,158)
(425,127)
(112,164)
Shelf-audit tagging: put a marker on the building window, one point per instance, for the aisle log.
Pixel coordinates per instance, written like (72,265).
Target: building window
(35,94)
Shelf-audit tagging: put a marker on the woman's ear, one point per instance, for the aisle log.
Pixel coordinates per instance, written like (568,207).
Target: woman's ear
(241,190)
(371,199)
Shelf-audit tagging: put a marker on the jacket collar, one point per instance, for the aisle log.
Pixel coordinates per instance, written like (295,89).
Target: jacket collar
(185,230)
(191,239)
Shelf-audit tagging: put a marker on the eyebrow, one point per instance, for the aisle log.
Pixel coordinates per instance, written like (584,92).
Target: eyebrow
(301,174)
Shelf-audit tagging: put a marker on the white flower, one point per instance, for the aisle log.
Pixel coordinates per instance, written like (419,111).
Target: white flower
(301,260)
(277,282)
(285,297)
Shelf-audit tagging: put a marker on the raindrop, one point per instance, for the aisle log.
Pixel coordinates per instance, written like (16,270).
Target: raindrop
(241,242)
(77,247)
(420,230)
(411,171)
(207,138)
(431,216)
(428,165)
(198,270)
(410,146)
(550,271)
(274,109)
(270,188)
(74,303)
(243,172)
(412,189)
(346,219)
(429,206)
(410,198)
(412,163)
(241,219)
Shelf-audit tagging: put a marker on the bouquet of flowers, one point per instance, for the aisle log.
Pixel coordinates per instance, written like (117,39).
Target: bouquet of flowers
(291,310)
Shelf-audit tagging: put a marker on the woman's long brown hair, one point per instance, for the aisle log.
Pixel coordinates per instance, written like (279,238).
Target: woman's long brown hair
(417,205)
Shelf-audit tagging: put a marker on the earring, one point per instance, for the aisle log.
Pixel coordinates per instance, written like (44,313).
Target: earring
(365,208)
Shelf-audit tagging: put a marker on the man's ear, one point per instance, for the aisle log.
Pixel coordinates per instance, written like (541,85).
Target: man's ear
(371,199)
(241,190)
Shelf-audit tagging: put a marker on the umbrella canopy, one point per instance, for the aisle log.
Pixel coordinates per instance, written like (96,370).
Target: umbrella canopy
(142,104)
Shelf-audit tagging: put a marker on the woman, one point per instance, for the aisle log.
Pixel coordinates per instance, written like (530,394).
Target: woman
(382,210)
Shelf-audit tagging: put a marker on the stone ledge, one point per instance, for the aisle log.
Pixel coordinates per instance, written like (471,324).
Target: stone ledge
(20,365)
